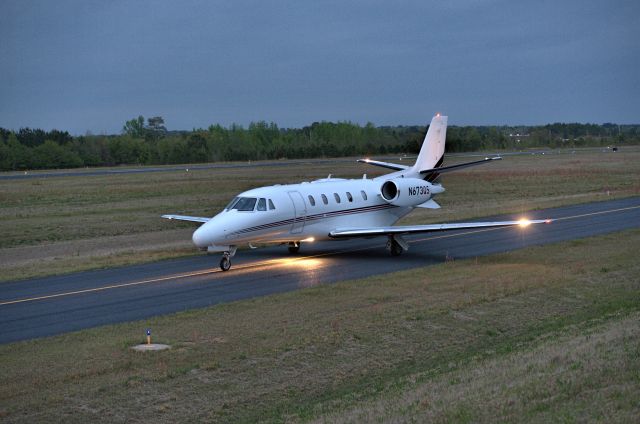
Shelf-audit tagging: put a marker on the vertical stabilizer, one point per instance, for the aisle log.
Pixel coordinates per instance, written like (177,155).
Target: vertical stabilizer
(432,150)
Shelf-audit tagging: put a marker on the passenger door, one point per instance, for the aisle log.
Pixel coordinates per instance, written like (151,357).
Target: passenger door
(300,212)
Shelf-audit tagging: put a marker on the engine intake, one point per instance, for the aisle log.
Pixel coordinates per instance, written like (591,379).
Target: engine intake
(406,191)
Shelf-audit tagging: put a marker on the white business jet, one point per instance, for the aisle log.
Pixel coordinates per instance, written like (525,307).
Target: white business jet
(336,208)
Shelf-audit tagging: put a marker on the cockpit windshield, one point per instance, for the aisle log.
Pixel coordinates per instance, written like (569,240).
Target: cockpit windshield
(230,204)
(243,204)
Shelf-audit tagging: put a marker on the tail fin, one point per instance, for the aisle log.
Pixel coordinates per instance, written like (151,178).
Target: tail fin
(432,150)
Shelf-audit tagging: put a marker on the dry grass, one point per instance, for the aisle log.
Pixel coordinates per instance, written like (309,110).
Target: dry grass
(582,376)
(81,223)
(541,334)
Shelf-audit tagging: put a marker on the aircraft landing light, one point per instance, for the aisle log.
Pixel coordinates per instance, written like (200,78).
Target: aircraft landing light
(524,222)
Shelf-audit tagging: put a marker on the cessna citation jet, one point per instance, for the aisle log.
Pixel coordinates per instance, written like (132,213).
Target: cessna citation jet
(336,208)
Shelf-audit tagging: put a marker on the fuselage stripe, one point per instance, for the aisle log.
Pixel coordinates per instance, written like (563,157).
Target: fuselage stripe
(315,217)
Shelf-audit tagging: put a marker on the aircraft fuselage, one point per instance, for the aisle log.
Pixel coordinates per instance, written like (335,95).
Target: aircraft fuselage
(295,212)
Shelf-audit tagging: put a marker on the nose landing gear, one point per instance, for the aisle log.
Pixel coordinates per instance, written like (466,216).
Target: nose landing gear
(225,262)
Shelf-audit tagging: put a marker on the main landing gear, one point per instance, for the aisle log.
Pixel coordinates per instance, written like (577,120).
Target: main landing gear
(396,245)
(225,262)
(294,247)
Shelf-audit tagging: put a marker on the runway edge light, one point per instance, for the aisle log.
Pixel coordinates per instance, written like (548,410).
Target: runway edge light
(148,346)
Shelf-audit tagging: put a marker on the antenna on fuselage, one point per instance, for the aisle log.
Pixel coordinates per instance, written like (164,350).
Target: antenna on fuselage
(364,176)
(329,177)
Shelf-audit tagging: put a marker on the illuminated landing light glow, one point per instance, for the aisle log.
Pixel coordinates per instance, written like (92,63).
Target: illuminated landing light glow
(524,222)
(548,221)
(308,240)
(306,263)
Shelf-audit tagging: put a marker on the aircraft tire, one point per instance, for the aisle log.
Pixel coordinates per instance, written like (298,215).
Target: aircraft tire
(225,263)
(294,248)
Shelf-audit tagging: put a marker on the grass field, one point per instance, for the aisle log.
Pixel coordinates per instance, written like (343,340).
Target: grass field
(58,225)
(543,334)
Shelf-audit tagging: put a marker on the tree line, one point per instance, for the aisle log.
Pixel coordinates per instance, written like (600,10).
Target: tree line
(148,142)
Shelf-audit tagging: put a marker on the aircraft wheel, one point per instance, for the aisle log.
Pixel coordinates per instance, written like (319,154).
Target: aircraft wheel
(294,247)
(225,263)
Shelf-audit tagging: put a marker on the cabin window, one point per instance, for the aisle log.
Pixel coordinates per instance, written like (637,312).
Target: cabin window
(245,204)
(271,207)
(364,195)
(349,197)
(324,199)
(262,204)
(337,197)
(312,200)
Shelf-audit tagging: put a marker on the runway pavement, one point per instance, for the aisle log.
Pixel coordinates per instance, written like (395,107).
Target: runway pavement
(54,305)
(88,172)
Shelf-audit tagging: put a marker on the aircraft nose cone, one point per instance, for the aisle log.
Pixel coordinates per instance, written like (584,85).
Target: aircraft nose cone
(200,238)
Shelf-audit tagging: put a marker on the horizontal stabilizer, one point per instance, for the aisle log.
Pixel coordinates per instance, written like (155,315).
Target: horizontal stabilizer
(388,165)
(186,218)
(450,168)
(429,204)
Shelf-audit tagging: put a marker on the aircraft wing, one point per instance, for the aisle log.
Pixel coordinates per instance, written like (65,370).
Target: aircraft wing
(388,165)
(186,218)
(412,229)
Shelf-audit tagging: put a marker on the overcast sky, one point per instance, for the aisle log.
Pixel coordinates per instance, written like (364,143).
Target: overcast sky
(91,65)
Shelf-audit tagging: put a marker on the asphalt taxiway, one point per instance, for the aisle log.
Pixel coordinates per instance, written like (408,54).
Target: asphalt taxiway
(54,305)
(90,172)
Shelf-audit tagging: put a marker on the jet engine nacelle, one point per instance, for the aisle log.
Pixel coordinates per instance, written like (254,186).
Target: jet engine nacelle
(407,191)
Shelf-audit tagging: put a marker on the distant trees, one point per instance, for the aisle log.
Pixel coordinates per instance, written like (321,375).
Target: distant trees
(155,127)
(53,155)
(35,137)
(129,150)
(13,154)
(152,143)
(135,127)
(152,131)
